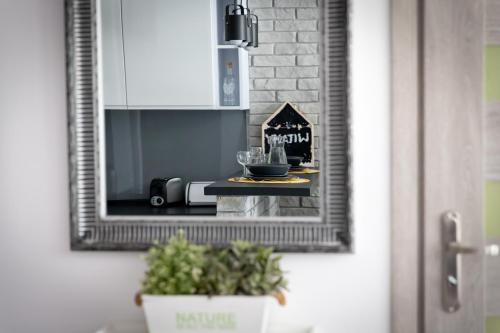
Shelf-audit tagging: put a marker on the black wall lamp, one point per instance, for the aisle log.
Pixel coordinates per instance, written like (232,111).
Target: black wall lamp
(254,31)
(240,27)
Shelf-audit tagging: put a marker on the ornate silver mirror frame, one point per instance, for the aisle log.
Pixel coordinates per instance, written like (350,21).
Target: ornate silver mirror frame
(92,230)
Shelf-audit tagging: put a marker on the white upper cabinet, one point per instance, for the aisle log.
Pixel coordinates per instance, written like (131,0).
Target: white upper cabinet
(112,55)
(169,53)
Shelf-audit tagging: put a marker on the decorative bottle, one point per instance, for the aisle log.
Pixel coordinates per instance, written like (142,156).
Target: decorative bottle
(229,86)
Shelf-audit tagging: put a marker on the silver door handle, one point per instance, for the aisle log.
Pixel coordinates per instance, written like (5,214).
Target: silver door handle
(452,249)
(459,248)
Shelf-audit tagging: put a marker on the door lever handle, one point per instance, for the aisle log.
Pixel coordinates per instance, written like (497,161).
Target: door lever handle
(459,248)
(452,249)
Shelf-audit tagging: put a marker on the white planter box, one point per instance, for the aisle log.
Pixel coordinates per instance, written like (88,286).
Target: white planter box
(201,314)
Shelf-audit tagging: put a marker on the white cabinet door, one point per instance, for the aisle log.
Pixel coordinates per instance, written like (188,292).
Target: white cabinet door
(168,53)
(114,87)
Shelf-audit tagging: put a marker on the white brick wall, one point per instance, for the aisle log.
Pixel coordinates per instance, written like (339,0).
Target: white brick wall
(285,68)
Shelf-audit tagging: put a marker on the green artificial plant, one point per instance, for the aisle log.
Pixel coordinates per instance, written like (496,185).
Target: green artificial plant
(183,268)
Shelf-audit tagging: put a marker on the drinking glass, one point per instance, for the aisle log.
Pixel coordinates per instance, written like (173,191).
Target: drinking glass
(243,157)
(256,155)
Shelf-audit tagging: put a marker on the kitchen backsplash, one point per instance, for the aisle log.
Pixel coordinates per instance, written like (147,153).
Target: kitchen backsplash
(196,145)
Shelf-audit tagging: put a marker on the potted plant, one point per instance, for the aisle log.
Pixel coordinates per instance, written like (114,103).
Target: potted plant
(198,288)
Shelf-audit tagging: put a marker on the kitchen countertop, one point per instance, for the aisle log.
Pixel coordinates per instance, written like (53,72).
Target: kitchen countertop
(143,207)
(226,188)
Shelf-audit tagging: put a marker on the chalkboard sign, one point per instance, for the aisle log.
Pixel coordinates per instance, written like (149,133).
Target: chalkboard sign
(294,129)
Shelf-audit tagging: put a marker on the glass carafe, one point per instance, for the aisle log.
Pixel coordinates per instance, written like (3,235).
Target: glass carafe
(277,154)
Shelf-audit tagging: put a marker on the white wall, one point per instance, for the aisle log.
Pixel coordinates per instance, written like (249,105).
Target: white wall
(46,288)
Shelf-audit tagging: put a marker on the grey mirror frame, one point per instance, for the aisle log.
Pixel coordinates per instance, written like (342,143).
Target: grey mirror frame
(90,231)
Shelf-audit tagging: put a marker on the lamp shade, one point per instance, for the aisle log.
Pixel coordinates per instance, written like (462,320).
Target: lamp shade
(235,26)
(248,38)
(254,29)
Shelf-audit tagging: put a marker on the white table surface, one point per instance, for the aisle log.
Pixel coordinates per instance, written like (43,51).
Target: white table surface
(140,327)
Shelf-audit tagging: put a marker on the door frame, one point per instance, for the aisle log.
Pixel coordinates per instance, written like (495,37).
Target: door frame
(406,168)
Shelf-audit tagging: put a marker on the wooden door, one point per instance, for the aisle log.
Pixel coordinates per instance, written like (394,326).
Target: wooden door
(452,78)
(437,163)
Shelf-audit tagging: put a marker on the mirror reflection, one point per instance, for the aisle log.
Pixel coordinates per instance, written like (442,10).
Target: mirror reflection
(211,108)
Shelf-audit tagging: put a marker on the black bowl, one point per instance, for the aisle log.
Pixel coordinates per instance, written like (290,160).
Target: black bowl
(294,160)
(268,170)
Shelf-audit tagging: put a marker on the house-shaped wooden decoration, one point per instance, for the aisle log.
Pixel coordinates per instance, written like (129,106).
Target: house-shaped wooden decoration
(294,128)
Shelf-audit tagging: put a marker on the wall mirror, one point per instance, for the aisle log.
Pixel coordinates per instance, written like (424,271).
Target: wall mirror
(178,119)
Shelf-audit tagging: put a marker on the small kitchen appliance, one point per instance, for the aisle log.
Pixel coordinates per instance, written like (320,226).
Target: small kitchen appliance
(195,194)
(165,191)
